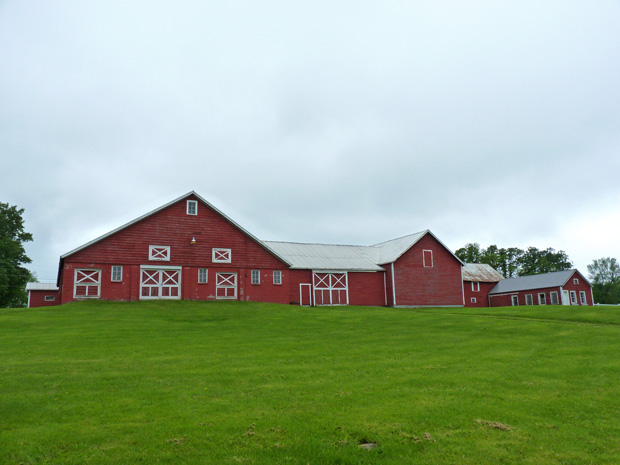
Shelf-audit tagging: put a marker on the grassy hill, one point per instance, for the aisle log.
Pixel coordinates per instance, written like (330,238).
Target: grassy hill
(249,383)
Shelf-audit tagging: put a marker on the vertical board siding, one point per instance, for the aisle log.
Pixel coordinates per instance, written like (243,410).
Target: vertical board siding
(482,296)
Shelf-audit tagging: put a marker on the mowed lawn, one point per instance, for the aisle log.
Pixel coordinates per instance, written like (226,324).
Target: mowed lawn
(248,383)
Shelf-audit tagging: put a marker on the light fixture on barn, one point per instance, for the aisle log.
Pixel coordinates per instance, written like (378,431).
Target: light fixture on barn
(193,241)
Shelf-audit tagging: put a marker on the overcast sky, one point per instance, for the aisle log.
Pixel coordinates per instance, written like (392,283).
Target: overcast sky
(348,122)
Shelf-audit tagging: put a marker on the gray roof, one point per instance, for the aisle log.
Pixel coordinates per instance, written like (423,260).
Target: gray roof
(480,272)
(536,281)
(41,287)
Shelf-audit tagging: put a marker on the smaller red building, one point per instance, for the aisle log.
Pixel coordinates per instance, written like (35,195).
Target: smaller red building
(478,280)
(568,287)
(42,294)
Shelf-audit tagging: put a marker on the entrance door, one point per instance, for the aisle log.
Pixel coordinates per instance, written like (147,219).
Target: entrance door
(305,294)
(225,285)
(330,288)
(565,298)
(160,283)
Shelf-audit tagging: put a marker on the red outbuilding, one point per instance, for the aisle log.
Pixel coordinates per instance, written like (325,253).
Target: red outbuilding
(188,249)
(568,287)
(478,280)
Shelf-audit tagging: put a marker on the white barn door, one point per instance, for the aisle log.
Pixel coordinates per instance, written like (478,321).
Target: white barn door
(330,288)
(225,285)
(160,283)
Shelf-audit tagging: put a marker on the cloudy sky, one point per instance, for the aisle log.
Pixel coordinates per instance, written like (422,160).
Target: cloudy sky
(347,122)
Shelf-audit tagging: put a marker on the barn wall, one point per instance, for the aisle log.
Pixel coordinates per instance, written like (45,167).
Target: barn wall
(482,296)
(366,289)
(37,298)
(582,286)
(295,278)
(440,284)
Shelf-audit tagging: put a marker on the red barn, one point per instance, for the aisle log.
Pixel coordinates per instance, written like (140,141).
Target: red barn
(188,249)
(478,280)
(561,287)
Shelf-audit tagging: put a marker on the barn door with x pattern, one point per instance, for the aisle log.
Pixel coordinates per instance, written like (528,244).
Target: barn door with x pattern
(160,283)
(225,285)
(330,288)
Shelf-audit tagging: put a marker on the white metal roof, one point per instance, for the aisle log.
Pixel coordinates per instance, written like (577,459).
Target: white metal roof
(391,250)
(326,256)
(536,281)
(41,287)
(480,272)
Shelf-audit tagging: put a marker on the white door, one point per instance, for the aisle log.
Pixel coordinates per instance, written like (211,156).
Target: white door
(565,298)
(305,294)
(160,283)
(225,285)
(330,288)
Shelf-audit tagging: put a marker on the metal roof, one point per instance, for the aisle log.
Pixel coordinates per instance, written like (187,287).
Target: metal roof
(41,287)
(536,281)
(480,272)
(390,251)
(326,256)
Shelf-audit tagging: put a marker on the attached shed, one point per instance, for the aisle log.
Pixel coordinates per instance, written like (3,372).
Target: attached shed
(478,280)
(42,294)
(568,287)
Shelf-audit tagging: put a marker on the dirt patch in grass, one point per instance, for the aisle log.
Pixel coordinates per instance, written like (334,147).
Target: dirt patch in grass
(495,425)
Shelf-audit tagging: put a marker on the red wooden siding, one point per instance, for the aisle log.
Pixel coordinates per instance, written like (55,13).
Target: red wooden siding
(417,284)
(37,298)
(481,296)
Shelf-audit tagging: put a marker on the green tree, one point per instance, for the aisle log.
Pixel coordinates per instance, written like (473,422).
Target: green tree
(13,276)
(471,253)
(604,275)
(534,261)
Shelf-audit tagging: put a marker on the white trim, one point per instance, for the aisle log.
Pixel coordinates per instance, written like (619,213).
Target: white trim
(478,286)
(277,273)
(189,205)
(161,284)
(301,298)
(219,255)
(544,297)
(512,300)
(385,288)
(575,280)
(28,299)
(80,283)
(424,258)
(557,298)
(575,301)
(220,283)
(206,273)
(49,298)
(473,300)
(333,283)
(531,299)
(583,300)
(112,274)
(393,287)
(159,253)
(462,286)
(255,274)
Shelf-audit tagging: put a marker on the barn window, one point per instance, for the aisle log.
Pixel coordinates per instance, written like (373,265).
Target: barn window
(582,297)
(575,281)
(515,300)
(159,253)
(117,273)
(542,298)
(192,207)
(554,298)
(528,299)
(473,300)
(50,298)
(87,283)
(427,258)
(475,286)
(221,255)
(573,297)
(255,276)
(277,277)
(203,275)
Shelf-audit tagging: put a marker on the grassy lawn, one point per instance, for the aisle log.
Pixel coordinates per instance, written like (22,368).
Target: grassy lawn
(230,383)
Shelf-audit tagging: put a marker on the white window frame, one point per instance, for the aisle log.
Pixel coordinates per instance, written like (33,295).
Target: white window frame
(277,278)
(159,253)
(514,300)
(543,300)
(476,287)
(255,279)
(555,294)
(573,298)
(575,281)
(161,277)
(219,255)
(88,273)
(582,298)
(119,269)
(49,298)
(424,258)
(192,207)
(203,275)
(529,299)
(473,300)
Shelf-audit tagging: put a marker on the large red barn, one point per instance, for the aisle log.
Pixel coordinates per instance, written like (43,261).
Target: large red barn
(188,249)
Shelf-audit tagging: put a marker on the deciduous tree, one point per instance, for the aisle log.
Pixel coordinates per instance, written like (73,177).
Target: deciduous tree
(604,275)
(13,276)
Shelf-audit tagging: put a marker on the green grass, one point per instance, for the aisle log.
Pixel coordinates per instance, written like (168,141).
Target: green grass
(230,383)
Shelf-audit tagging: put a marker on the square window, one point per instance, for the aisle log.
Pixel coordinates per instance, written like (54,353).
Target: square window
(192,207)
(473,300)
(427,258)
(221,255)
(255,276)
(203,275)
(117,273)
(575,281)
(159,253)
(277,277)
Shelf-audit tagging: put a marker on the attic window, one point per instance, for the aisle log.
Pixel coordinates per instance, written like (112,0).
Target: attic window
(192,207)
(221,255)
(575,281)
(159,253)
(427,258)
(475,286)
